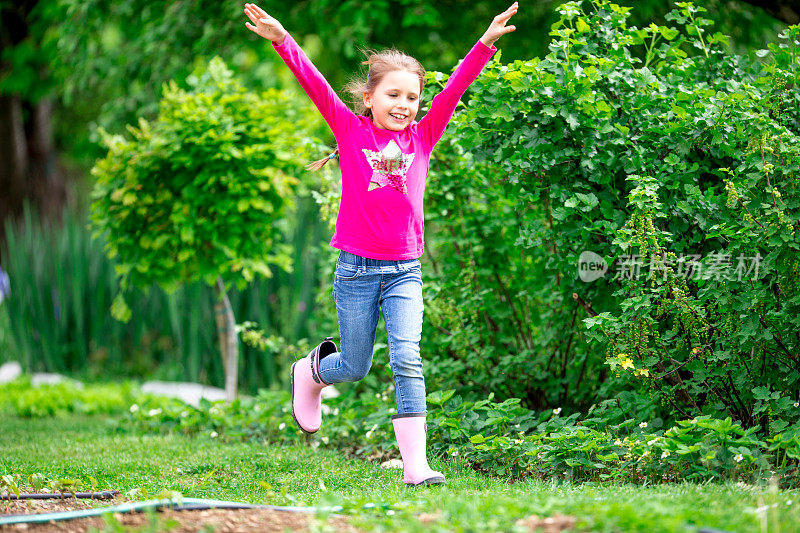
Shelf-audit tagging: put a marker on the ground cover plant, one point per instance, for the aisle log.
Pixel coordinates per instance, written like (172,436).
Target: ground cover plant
(500,439)
(505,440)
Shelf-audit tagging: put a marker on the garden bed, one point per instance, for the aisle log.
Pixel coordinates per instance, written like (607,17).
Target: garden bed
(177,521)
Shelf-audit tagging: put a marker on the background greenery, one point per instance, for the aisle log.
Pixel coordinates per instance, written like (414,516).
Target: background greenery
(103,63)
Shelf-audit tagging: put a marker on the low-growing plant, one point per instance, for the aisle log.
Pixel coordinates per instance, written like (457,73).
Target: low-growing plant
(20,398)
(500,438)
(12,483)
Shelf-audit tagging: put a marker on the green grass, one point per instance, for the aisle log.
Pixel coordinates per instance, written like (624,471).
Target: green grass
(79,447)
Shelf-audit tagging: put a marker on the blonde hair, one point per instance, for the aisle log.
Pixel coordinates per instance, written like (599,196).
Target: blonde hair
(379,64)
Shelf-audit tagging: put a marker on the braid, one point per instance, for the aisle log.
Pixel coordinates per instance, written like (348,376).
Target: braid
(316,165)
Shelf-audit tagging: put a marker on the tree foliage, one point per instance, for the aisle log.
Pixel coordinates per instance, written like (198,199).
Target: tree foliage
(105,61)
(200,192)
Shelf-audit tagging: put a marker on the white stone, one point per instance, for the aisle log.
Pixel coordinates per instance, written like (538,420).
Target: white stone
(10,371)
(392,463)
(46,378)
(187,392)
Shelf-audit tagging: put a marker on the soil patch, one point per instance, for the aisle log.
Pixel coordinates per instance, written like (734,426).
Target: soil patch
(217,520)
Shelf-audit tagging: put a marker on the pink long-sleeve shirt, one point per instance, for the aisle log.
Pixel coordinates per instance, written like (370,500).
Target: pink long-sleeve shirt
(381,210)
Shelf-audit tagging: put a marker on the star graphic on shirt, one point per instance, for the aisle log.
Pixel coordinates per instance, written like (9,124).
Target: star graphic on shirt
(389,167)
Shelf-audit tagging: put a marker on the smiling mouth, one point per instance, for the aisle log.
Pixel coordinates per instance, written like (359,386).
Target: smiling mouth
(397,116)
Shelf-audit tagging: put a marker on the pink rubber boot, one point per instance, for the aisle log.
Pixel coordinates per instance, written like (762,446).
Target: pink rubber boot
(411,432)
(307,387)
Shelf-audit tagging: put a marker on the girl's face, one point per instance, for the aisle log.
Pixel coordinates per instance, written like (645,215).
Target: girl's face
(395,101)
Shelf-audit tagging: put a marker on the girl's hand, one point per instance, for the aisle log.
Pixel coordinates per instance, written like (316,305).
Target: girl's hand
(265,26)
(498,26)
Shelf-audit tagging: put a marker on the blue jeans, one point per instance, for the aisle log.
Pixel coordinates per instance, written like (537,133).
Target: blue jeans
(361,287)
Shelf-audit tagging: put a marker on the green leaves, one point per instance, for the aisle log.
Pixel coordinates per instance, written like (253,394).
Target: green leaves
(668,33)
(582,26)
(440,397)
(198,192)
(120,309)
(621,156)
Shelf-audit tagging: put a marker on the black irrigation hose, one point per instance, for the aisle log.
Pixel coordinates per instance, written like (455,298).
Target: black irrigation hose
(102,495)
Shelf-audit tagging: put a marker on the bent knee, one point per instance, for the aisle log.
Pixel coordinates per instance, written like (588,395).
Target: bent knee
(356,373)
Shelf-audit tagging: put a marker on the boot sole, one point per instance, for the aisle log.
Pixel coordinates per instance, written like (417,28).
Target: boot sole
(304,430)
(430,481)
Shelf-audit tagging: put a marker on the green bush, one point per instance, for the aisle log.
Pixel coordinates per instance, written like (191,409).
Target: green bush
(200,193)
(642,145)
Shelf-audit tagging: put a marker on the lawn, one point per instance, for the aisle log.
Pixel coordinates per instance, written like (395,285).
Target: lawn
(80,447)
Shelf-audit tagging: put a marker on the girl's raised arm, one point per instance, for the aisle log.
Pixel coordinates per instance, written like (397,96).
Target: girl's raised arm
(444,104)
(333,110)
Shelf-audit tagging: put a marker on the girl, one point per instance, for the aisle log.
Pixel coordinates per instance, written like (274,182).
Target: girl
(384,155)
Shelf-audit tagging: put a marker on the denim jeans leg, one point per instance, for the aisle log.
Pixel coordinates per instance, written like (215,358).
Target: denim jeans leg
(401,301)
(356,295)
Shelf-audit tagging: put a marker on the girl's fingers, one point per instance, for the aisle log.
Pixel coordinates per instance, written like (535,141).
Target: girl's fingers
(504,17)
(260,12)
(256,17)
(510,13)
(252,15)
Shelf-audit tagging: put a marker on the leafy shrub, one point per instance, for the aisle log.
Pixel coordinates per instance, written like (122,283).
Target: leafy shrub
(199,193)
(644,146)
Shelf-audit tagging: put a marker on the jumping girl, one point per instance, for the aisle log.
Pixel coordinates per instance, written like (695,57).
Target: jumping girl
(383,155)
